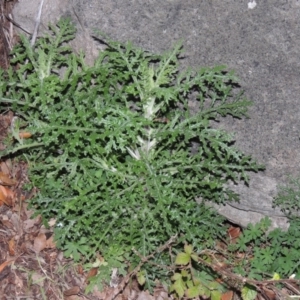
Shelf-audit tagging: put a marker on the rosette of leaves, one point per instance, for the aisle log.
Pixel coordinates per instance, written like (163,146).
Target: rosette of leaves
(112,148)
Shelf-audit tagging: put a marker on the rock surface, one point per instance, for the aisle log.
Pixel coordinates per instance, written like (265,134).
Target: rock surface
(261,44)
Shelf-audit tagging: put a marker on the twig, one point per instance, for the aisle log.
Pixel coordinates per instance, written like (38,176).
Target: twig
(230,277)
(292,288)
(10,19)
(37,23)
(126,279)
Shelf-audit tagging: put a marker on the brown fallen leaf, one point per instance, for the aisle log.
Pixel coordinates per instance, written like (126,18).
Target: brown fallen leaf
(25,135)
(6,196)
(269,293)
(5,272)
(11,247)
(40,242)
(6,263)
(75,290)
(50,242)
(227,296)
(6,222)
(6,167)
(144,295)
(92,272)
(80,269)
(234,233)
(5,180)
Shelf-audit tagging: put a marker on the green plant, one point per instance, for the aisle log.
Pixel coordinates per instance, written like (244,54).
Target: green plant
(116,152)
(278,251)
(267,253)
(192,282)
(203,274)
(288,198)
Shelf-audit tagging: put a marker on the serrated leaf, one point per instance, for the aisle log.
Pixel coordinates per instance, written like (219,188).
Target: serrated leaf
(215,295)
(189,283)
(182,258)
(214,285)
(196,281)
(248,293)
(188,249)
(194,257)
(176,276)
(179,287)
(203,291)
(185,273)
(141,278)
(192,292)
